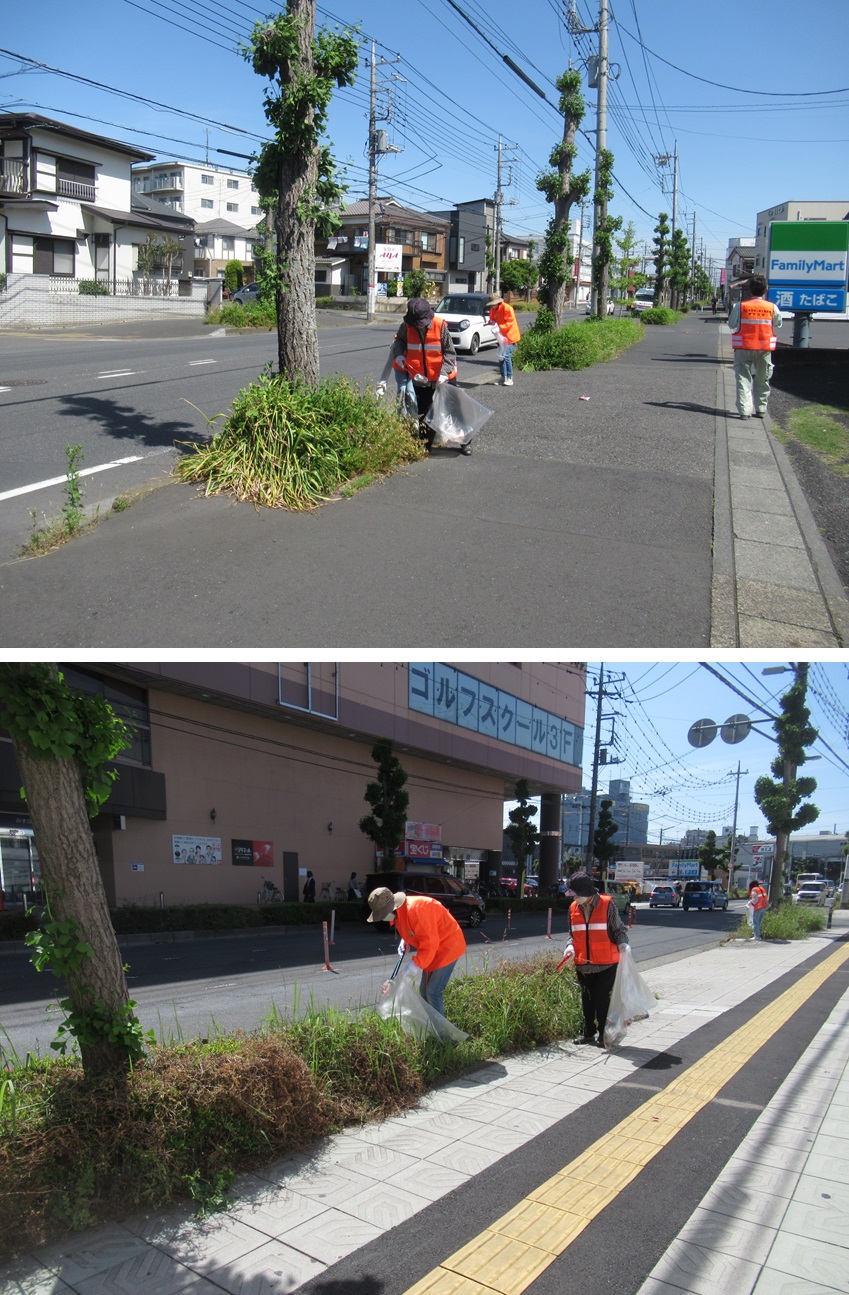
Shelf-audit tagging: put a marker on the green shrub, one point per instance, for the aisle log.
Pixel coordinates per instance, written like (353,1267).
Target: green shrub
(290,446)
(659,315)
(92,288)
(256,314)
(392,287)
(544,322)
(233,275)
(577,345)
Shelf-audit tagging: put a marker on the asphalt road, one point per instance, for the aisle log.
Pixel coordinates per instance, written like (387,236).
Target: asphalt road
(190,988)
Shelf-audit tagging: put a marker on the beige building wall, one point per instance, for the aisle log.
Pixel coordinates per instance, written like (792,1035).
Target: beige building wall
(278,774)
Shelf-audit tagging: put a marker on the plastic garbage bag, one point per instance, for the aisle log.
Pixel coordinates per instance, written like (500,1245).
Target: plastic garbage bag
(631,999)
(750,914)
(402,1000)
(455,417)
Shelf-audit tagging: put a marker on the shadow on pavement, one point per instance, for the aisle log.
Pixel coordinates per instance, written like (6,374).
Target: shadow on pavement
(125,423)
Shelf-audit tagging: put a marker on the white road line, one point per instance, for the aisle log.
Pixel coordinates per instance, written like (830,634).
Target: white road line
(119,373)
(5,388)
(58,481)
(193,362)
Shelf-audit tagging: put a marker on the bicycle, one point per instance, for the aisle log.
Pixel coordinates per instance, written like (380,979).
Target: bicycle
(334,896)
(268,894)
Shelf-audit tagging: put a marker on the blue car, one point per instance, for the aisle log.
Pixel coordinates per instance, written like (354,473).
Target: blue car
(705,894)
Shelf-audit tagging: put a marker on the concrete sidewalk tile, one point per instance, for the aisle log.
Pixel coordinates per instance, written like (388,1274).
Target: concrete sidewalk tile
(455,1125)
(768,528)
(275,1209)
(801,1257)
(330,1236)
(828,1164)
(704,1271)
(274,1269)
(151,1270)
(91,1252)
(772,634)
(432,1181)
(788,568)
(417,1142)
(464,1158)
(385,1207)
(26,1276)
(761,1196)
(740,1238)
(820,1209)
(372,1160)
(759,599)
(209,1243)
(499,1139)
(772,1282)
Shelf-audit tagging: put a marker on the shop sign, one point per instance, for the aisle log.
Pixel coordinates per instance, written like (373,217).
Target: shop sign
(203,850)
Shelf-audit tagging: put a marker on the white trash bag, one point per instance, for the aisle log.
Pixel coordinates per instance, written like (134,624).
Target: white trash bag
(455,417)
(401,999)
(631,999)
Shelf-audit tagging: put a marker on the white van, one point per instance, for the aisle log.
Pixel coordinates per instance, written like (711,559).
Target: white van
(805,877)
(643,300)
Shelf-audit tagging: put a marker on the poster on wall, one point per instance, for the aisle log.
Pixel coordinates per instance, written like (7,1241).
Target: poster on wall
(253,854)
(196,849)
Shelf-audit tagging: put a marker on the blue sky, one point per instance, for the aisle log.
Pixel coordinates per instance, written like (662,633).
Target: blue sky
(690,787)
(739,151)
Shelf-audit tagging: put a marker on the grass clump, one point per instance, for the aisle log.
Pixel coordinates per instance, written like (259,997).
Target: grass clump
(659,315)
(575,346)
(285,445)
(256,314)
(788,922)
(818,427)
(192,1114)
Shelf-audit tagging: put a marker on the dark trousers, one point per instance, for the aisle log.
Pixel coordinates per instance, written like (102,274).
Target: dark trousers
(596,989)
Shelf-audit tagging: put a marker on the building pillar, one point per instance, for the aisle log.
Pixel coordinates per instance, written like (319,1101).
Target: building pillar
(549,845)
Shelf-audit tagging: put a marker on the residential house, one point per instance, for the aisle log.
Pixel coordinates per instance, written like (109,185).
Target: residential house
(66,203)
(422,237)
(471,240)
(201,190)
(219,241)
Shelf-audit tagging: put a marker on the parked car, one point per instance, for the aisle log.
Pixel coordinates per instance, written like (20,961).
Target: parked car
(250,292)
(705,894)
(664,895)
(461,902)
(467,317)
(813,892)
(618,892)
(611,306)
(643,300)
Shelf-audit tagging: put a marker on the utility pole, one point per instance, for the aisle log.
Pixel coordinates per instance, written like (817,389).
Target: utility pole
(371,287)
(499,199)
(600,696)
(733,852)
(693,259)
(373,150)
(599,290)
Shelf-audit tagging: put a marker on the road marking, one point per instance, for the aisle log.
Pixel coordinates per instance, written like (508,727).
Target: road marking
(5,388)
(121,373)
(58,481)
(195,362)
(512,1252)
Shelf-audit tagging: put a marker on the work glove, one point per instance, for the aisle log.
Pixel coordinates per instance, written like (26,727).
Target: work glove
(402,948)
(380,390)
(443,377)
(568,952)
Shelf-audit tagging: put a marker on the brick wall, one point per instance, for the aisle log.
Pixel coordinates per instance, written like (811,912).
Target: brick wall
(27,302)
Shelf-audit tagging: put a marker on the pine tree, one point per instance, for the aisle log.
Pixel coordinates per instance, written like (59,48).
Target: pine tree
(604,848)
(661,258)
(710,856)
(389,802)
(562,188)
(522,832)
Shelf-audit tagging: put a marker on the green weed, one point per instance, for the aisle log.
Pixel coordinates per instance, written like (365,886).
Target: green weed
(816,427)
(284,445)
(576,346)
(659,315)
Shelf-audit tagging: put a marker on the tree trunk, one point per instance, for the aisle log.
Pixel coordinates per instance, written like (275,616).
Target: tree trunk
(56,803)
(297,337)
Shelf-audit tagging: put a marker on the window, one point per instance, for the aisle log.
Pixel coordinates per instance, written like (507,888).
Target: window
(461,250)
(54,256)
(232,206)
(207,202)
(254,211)
(428,242)
(232,184)
(321,276)
(129,703)
(206,179)
(228,244)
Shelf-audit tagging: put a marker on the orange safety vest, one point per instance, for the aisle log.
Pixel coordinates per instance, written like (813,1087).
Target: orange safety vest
(429,928)
(591,940)
(759,898)
(505,317)
(430,364)
(755,332)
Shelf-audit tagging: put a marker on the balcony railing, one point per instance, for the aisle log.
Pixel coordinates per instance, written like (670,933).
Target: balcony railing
(76,189)
(12,175)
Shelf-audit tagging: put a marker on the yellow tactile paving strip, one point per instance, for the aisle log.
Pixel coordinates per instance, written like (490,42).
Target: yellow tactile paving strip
(509,1255)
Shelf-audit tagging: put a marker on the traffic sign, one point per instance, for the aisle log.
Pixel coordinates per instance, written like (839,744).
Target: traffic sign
(702,732)
(736,728)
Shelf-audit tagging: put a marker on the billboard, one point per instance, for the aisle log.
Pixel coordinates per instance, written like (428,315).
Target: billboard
(806,266)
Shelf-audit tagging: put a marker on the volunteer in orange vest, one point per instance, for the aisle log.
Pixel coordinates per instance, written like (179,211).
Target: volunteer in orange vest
(753,323)
(426,926)
(421,356)
(759,900)
(504,316)
(596,933)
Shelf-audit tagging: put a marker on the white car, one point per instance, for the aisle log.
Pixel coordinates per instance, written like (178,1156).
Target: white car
(813,892)
(467,317)
(611,306)
(643,300)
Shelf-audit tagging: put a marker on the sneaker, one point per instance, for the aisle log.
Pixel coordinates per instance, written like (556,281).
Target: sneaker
(585,1038)
(508,382)
(465,449)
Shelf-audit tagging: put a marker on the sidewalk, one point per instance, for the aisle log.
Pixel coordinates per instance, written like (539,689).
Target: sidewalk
(775,1220)
(646,516)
